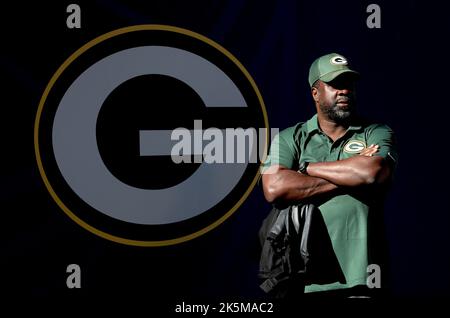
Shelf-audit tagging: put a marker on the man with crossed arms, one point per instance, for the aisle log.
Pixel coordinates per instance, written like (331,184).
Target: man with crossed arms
(343,164)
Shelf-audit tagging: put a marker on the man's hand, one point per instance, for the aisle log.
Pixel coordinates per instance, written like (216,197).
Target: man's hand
(370,151)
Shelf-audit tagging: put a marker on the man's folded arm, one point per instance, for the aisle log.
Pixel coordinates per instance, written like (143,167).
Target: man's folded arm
(352,172)
(286,185)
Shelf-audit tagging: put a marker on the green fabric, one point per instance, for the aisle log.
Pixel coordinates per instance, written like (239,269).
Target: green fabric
(345,215)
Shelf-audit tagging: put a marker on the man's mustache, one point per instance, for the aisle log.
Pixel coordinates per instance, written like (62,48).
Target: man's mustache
(343,99)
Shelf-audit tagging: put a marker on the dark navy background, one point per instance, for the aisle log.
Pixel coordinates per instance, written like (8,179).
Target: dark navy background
(403,84)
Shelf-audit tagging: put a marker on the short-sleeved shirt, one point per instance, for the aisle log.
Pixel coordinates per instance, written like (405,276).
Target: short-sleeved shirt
(345,214)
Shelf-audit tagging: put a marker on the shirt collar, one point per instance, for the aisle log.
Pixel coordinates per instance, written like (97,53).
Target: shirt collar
(312,125)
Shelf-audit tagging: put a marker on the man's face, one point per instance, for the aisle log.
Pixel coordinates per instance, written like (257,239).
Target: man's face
(336,99)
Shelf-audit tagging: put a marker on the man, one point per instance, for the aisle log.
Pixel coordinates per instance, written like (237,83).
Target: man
(342,164)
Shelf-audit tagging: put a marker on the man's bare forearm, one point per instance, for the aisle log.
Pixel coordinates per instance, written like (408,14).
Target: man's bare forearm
(354,171)
(289,186)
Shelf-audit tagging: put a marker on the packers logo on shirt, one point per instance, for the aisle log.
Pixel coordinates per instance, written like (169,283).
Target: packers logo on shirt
(354,146)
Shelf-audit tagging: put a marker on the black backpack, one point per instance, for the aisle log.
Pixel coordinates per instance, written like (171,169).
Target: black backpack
(285,254)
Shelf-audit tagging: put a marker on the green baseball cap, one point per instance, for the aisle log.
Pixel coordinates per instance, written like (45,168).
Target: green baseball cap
(328,67)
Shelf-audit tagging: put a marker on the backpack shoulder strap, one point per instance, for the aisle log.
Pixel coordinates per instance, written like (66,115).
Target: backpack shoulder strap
(306,212)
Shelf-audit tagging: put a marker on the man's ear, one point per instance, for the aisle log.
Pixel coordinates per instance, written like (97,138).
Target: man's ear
(315,94)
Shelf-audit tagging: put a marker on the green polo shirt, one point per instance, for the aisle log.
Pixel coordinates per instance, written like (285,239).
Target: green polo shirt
(345,214)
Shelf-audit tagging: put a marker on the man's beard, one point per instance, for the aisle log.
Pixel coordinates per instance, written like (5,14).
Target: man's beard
(338,114)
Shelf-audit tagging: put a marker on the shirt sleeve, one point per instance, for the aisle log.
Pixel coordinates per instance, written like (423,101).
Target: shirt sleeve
(282,150)
(384,137)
